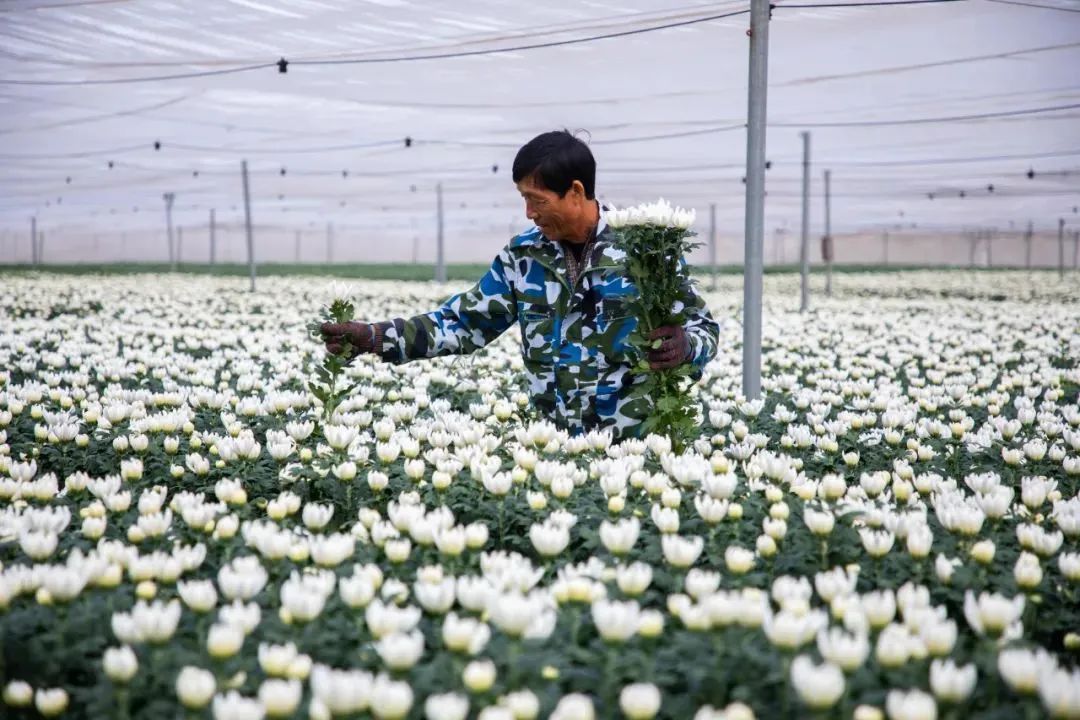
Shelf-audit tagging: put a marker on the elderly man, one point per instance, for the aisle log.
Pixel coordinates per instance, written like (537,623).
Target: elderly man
(563,283)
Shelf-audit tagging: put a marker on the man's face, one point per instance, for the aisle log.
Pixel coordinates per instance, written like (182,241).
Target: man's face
(557,217)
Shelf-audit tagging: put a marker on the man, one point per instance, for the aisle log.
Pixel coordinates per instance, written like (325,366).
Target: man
(562,282)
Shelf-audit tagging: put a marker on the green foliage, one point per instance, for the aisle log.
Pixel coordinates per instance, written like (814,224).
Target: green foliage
(654,263)
(326,384)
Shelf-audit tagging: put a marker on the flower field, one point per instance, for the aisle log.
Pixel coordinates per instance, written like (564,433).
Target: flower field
(892,531)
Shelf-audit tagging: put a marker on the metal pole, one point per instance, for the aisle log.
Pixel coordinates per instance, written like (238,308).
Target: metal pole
(247,225)
(440,258)
(828,235)
(990,246)
(1076,247)
(1061,248)
(179,245)
(41,247)
(753,265)
(33,240)
(804,246)
(329,243)
(971,249)
(712,243)
(885,243)
(296,250)
(1027,245)
(169,198)
(213,236)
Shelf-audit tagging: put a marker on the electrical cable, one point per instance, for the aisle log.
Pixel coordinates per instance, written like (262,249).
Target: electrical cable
(945,161)
(864,4)
(80,154)
(920,121)
(398,58)
(154,78)
(528,46)
(97,118)
(323,148)
(1035,5)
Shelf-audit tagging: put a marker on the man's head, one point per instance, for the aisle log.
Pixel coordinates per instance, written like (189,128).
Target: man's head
(556,175)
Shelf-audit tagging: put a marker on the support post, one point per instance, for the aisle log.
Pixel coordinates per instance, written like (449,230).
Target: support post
(169,198)
(296,249)
(33,241)
(247,226)
(885,244)
(1027,245)
(329,243)
(1061,248)
(828,234)
(755,197)
(213,236)
(804,245)
(440,257)
(712,244)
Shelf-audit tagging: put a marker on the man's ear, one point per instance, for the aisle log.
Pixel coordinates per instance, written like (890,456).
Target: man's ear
(577,189)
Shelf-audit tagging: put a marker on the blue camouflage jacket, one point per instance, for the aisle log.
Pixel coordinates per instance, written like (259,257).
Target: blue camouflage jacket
(574,338)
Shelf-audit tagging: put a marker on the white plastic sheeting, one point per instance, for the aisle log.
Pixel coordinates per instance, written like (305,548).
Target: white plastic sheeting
(663,109)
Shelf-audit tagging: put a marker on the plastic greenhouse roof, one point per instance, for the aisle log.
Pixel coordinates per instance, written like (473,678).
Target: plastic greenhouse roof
(87,87)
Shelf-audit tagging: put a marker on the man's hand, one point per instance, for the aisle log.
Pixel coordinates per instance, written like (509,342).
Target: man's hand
(360,337)
(674,349)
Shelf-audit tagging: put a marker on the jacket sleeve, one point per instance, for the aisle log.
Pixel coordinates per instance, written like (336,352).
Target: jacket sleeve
(701,329)
(463,324)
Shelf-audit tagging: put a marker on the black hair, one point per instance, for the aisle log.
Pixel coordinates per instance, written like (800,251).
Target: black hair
(556,159)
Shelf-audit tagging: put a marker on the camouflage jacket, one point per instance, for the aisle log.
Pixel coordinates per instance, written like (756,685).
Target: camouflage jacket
(573,338)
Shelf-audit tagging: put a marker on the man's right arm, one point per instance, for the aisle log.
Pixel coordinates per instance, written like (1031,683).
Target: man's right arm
(463,324)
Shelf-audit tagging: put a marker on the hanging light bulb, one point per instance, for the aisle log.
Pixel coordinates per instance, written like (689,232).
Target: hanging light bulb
(963,194)
(990,188)
(282,172)
(1031,173)
(408,141)
(111,164)
(157,144)
(283,66)
(494,169)
(344,173)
